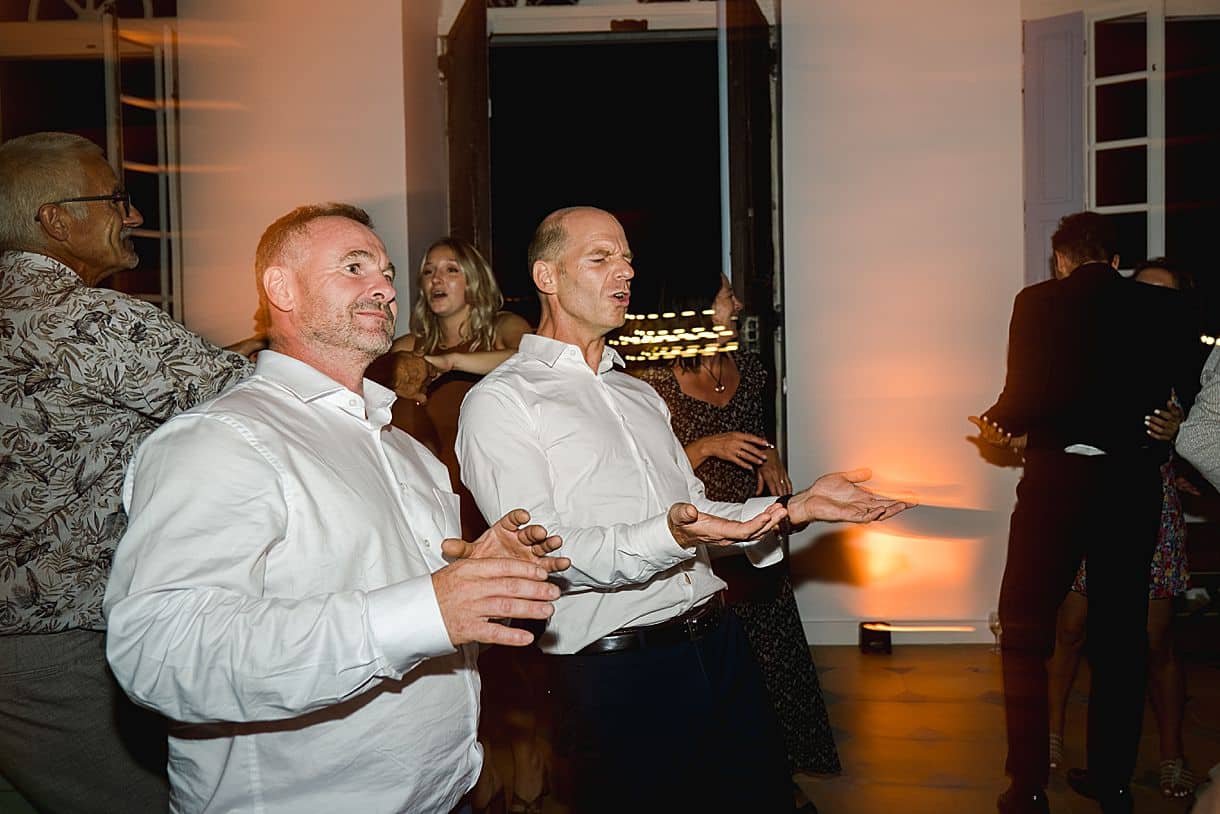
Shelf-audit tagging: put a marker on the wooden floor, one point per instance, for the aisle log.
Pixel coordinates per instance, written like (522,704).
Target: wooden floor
(921,731)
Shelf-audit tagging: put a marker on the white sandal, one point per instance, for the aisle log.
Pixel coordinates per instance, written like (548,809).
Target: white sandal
(1176,779)
(1056,751)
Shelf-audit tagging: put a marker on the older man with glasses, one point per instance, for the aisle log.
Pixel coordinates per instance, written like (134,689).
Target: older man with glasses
(85,375)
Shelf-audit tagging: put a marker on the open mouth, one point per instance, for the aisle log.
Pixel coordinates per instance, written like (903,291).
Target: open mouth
(623,297)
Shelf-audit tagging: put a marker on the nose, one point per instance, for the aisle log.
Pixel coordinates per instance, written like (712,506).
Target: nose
(625,270)
(382,290)
(133,218)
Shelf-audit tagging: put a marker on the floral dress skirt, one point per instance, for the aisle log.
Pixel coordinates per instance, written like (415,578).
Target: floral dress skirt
(1170,575)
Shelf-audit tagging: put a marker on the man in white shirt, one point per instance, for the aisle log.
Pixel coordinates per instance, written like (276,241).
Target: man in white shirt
(280,591)
(659,699)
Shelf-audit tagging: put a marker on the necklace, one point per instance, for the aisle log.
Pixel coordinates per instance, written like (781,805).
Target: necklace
(719,388)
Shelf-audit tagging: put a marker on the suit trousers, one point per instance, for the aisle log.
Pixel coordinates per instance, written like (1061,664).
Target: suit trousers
(70,740)
(1107,508)
(687,727)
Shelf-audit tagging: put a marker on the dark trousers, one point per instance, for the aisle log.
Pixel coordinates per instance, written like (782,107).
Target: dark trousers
(70,740)
(681,728)
(1068,506)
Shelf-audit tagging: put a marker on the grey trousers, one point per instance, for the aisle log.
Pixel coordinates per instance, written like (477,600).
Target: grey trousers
(70,740)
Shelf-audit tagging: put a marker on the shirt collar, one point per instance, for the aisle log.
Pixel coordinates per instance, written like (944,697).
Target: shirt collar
(38,268)
(549,351)
(310,384)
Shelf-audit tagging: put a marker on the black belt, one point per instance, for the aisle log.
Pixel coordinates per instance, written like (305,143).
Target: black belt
(690,626)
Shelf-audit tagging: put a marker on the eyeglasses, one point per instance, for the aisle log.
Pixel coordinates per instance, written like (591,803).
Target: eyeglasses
(122,198)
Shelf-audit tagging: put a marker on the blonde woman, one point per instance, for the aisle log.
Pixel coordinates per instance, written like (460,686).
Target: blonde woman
(457,324)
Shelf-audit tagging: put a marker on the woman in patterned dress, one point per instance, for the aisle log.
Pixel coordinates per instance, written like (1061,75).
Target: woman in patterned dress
(716,407)
(1169,577)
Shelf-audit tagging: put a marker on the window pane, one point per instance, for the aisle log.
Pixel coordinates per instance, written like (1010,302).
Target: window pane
(1132,231)
(1189,242)
(1192,42)
(1120,45)
(1192,170)
(1189,236)
(1190,106)
(1122,110)
(1122,176)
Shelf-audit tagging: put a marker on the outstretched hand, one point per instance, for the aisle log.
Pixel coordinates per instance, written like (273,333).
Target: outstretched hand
(691,527)
(838,497)
(995,435)
(510,537)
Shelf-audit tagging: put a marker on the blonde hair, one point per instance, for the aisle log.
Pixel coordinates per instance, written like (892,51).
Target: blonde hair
(482,295)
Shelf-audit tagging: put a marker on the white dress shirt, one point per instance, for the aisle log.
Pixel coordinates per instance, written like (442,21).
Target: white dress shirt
(273,595)
(593,459)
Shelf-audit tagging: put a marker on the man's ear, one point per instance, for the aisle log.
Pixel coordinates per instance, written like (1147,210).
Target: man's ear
(278,283)
(55,221)
(544,277)
(1114,262)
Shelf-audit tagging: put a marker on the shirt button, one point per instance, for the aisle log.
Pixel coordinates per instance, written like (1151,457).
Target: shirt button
(351,403)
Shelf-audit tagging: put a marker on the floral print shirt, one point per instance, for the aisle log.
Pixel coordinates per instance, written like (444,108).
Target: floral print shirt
(85,374)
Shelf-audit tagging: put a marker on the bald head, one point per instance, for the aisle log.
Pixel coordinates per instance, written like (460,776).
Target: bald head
(550,238)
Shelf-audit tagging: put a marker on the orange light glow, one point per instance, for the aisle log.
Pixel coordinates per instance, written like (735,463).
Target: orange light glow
(886,628)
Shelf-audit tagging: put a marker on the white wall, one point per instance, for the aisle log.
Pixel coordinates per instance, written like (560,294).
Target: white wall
(902,228)
(427,157)
(287,103)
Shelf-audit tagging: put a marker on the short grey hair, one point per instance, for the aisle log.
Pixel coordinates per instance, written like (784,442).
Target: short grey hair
(34,170)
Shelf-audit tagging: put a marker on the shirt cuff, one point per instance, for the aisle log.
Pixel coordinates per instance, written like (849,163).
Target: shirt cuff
(667,552)
(406,623)
(768,550)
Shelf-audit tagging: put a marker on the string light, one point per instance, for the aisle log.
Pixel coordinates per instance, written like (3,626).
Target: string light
(670,335)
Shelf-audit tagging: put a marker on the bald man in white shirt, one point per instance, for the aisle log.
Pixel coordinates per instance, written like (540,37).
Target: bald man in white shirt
(280,591)
(659,701)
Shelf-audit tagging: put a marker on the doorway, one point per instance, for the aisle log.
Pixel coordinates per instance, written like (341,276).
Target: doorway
(627,123)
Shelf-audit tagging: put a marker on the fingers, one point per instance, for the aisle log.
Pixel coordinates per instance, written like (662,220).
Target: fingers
(514,519)
(470,593)
(531,535)
(456,549)
(857,475)
(495,633)
(754,440)
(553,564)
(760,524)
(759,483)
(683,514)
(500,567)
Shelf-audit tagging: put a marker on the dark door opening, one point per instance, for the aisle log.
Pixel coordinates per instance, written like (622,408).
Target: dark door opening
(629,124)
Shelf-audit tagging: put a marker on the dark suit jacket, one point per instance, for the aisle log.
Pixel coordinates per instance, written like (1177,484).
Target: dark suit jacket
(1090,356)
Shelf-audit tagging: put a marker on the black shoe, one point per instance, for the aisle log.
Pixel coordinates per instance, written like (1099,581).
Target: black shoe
(1023,801)
(1113,799)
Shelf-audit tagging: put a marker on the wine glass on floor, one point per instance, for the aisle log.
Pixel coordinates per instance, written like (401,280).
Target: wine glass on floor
(993,622)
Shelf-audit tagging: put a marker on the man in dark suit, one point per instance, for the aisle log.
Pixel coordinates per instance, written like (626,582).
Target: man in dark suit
(1090,356)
